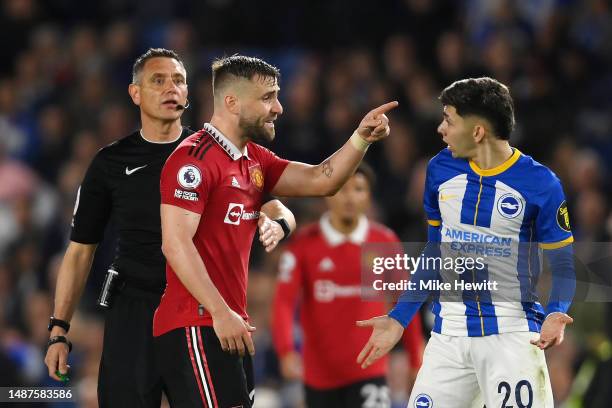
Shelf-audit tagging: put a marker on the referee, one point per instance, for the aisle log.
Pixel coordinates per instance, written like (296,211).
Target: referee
(123,182)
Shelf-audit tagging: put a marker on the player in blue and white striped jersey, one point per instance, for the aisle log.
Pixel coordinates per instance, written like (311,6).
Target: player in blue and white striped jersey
(485,198)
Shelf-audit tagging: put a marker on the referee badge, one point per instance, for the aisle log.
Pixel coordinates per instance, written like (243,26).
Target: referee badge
(189,177)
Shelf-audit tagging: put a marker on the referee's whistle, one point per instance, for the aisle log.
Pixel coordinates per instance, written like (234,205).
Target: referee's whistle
(108,288)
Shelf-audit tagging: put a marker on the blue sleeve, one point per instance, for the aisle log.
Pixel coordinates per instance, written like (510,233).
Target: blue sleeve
(430,198)
(561,262)
(411,300)
(404,311)
(552,222)
(434,234)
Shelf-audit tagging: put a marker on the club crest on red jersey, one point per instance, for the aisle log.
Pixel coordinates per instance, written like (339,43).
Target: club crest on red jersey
(257,177)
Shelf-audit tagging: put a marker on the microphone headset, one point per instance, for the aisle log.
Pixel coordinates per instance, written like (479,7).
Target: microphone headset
(183,107)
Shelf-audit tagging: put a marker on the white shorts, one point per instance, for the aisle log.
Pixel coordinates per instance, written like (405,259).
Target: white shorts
(502,370)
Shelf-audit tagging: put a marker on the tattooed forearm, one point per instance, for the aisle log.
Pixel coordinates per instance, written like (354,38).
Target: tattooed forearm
(327,168)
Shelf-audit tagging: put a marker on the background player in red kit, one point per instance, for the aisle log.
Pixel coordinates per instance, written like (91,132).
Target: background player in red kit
(212,188)
(322,257)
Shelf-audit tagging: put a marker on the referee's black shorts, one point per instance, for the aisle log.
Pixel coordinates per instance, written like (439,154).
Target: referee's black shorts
(128,376)
(197,373)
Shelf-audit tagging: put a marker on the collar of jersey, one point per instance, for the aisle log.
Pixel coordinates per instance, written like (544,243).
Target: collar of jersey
(498,169)
(229,148)
(335,238)
(166,142)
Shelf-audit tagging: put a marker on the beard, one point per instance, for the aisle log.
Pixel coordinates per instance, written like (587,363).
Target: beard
(256,130)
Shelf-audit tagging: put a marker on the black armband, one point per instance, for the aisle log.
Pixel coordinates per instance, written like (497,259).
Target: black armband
(59,339)
(284,225)
(58,322)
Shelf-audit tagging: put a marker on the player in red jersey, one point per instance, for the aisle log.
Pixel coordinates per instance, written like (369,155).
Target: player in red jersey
(122,184)
(322,268)
(212,188)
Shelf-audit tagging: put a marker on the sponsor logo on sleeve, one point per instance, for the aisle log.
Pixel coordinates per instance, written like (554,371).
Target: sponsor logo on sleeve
(186,195)
(509,205)
(563,217)
(189,177)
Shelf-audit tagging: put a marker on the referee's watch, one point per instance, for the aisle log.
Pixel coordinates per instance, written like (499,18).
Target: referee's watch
(59,339)
(284,225)
(58,322)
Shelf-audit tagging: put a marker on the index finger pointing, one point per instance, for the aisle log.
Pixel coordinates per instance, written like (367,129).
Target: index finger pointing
(384,108)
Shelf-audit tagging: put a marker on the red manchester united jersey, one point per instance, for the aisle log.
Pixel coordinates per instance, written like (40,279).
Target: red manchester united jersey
(208,175)
(322,267)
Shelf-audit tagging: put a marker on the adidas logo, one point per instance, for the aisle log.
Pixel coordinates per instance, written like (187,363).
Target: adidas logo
(326,265)
(235,182)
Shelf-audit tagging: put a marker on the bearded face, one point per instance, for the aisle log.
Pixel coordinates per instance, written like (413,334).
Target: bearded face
(258,129)
(259,109)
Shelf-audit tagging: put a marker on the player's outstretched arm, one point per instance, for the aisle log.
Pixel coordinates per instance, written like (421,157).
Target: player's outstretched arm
(553,330)
(178,228)
(328,177)
(562,291)
(385,334)
(270,231)
(71,280)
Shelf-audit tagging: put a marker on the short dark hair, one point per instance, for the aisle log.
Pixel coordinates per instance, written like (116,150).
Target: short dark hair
(241,66)
(366,170)
(484,97)
(152,53)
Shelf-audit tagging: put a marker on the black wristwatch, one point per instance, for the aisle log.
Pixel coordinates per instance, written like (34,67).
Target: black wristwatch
(284,225)
(58,322)
(59,339)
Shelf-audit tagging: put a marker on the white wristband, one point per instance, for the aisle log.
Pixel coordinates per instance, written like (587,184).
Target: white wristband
(359,142)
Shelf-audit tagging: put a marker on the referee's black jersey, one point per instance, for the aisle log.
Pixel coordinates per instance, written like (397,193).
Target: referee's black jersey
(122,182)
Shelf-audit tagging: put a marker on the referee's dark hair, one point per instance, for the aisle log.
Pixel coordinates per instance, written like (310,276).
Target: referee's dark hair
(484,97)
(366,170)
(241,66)
(152,53)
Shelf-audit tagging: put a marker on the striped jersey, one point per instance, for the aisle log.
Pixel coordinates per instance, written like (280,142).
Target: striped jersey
(504,215)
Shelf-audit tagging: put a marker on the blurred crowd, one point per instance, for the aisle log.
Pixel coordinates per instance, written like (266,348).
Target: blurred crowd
(63,95)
